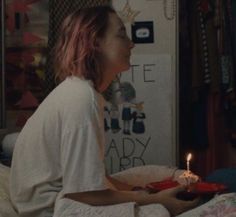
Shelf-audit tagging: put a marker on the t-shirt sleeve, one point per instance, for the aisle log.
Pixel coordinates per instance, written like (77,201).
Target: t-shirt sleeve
(82,159)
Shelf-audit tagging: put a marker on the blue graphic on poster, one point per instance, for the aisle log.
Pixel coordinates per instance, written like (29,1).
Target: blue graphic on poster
(122,104)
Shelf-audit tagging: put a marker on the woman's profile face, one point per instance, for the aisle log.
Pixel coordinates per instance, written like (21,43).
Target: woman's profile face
(115,46)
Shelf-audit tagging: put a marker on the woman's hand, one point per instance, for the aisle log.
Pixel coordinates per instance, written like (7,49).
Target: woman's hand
(175,206)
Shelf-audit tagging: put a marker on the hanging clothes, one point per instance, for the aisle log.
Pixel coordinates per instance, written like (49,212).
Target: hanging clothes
(204,119)
(184,73)
(226,47)
(228,65)
(205,68)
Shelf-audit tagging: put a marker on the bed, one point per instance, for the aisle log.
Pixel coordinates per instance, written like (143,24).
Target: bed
(223,205)
(132,175)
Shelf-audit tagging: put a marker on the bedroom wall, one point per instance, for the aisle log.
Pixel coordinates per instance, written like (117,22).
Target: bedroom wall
(157,63)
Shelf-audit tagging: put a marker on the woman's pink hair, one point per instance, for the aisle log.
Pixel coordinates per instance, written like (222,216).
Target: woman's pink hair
(76,51)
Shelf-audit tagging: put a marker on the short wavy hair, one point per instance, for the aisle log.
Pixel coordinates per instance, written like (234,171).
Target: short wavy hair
(75,52)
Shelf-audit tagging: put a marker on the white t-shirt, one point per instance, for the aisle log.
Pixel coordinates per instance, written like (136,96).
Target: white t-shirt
(60,149)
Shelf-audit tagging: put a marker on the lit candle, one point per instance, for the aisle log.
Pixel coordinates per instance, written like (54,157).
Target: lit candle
(188,160)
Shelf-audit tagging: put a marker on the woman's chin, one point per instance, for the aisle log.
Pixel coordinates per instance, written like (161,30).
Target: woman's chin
(126,67)
(122,68)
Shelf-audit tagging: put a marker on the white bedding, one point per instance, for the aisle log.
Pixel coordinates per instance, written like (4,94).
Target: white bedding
(6,209)
(135,176)
(68,208)
(132,176)
(221,206)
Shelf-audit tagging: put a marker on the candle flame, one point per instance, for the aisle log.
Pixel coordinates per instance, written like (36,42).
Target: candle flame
(189,157)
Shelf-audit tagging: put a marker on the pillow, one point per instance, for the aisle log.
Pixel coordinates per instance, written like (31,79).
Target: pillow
(8,143)
(141,175)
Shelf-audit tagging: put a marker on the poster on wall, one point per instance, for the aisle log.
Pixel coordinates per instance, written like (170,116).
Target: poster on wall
(139,103)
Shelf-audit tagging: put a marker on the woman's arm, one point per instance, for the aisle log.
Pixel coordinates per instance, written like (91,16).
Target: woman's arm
(118,185)
(109,197)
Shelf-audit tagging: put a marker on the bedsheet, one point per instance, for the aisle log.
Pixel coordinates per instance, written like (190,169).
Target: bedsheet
(220,206)
(149,173)
(132,175)
(69,208)
(6,209)
(223,205)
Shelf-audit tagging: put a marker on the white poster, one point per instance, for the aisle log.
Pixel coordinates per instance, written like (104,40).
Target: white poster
(138,115)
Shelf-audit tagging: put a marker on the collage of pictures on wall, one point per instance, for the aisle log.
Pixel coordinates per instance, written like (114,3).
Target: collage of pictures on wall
(25,55)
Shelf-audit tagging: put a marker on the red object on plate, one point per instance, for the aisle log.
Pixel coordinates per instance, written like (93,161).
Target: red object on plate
(162,185)
(199,188)
(207,187)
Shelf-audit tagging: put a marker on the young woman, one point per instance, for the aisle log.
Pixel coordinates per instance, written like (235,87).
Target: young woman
(59,152)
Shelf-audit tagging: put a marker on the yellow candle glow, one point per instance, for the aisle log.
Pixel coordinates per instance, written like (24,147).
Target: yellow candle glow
(189,156)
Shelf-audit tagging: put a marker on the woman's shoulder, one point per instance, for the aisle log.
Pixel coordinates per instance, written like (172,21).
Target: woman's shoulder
(74,95)
(74,88)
